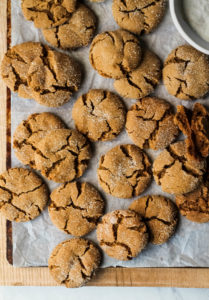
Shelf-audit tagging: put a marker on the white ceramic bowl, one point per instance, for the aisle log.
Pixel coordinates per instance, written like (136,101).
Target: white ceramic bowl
(177,14)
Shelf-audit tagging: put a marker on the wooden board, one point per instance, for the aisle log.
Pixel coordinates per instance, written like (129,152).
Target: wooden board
(161,277)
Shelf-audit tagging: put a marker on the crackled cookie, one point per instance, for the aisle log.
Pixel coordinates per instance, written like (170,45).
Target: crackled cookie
(150,123)
(73,262)
(48,13)
(124,171)
(122,234)
(138,16)
(76,208)
(142,81)
(30,132)
(175,172)
(62,155)
(186,73)
(160,215)
(99,114)
(114,53)
(23,195)
(76,32)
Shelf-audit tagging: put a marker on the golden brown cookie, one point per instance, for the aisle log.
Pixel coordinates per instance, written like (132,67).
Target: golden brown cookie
(160,215)
(124,171)
(122,234)
(23,195)
(76,208)
(73,262)
(150,123)
(99,114)
(175,172)
(142,81)
(186,73)
(138,16)
(62,155)
(30,132)
(76,32)
(113,53)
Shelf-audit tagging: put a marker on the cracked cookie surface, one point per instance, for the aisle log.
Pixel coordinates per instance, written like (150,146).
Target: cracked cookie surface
(113,53)
(122,234)
(186,73)
(150,123)
(142,81)
(175,172)
(124,171)
(138,16)
(73,262)
(99,114)
(23,195)
(76,208)
(62,155)
(30,132)
(160,215)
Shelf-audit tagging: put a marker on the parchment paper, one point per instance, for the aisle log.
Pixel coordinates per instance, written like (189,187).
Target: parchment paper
(33,241)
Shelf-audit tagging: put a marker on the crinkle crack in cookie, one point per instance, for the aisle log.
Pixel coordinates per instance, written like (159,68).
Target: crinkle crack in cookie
(186,73)
(124,171)
(62,155)
(113,53)
(99,114)
(138,16)
(150,123)
(48,13)
(76,32)
(73,262)
(142,81)
(175,172)
(160,215)
(30,132)
(23,195)
(76,208)
(122,234)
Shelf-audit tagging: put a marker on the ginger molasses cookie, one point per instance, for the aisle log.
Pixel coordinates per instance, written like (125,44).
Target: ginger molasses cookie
(73,262)
(160,215)
(142,81)
(186,73)
(62,155)
(76,208)
(113,53)
(138,16)
(122,234)
(99,114)
(175,172)
(124,171)
(23,195)
(150,123)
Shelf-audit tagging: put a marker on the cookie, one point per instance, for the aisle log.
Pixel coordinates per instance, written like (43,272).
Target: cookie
(73,262)
(186,73)
(124,171)
(160,215)
(99,114)
(30,132)
(122,234)
(142,81)
(23,195)
(139,16)
(175,172)
(75,208)
(62,155)
(76,32)
(150,123)
(114,53)
(48,13)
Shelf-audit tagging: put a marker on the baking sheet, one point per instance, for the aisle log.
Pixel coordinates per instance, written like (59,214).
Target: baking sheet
(33,241)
